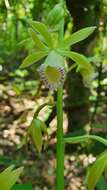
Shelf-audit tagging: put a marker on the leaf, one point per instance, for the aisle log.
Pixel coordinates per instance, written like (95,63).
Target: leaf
(9,177)
(37,41)
(101,185)
(33,58)
(42,29)
(26,186)
(96,171)
(83,138)
(77,36)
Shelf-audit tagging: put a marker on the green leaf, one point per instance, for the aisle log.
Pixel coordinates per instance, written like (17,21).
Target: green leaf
(26,186)
(77,36)
(101,185)
(42,29)
(9,177)
(96,171)
(33,58)
(83,138)
(37,41)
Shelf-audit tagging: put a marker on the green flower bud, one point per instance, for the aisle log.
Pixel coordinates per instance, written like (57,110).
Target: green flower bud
(52,72)
(87,74)
(35,133)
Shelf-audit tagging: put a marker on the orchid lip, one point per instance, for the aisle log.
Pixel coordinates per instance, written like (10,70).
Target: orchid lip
(52,76)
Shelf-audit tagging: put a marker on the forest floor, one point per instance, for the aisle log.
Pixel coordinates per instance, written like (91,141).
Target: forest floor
(16,113)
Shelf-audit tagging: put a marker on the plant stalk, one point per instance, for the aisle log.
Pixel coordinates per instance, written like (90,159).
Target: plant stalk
(60,137)
(60,143)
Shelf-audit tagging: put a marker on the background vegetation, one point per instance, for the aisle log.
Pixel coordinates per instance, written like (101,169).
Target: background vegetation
(21,92)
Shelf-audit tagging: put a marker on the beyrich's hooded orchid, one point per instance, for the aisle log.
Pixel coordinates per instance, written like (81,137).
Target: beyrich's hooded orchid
(52,71)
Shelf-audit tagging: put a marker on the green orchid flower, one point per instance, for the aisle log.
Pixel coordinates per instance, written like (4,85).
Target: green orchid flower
(52,71)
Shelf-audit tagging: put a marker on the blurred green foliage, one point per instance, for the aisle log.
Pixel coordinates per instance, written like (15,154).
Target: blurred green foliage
(14,19)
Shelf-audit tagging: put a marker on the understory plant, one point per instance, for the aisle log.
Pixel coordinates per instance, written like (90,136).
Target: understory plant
(9,177)
(53,49)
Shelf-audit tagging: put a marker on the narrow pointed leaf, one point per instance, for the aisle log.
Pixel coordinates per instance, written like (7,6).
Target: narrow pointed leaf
(9,177)
(33,58)
(42,29)
(96,171)
(38,42)
(78,36)
(14,176)
(7,171)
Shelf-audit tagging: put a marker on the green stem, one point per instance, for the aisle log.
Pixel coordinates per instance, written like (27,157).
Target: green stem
(60,143)
(60,138)
(41,107)
(83,138)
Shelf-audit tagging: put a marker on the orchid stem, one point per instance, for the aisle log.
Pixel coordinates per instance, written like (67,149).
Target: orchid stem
(60,137)
(60,143)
